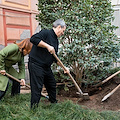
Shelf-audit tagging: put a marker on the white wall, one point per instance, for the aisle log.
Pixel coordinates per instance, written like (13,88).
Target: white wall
(114,2)
(116,22)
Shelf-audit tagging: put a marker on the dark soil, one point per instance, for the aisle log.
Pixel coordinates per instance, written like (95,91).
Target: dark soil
(95,95)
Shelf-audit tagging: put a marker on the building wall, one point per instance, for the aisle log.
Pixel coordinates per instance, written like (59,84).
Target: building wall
(17,22)
(17,18)
(116,22)
(115,2)
(1,27)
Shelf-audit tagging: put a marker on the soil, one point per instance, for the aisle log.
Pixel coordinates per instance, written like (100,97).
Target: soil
(95,95)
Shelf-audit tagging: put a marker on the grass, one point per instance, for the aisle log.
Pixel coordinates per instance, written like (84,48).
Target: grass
(18,108)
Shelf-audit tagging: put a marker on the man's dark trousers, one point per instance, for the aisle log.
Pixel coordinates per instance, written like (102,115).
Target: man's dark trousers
(39,76)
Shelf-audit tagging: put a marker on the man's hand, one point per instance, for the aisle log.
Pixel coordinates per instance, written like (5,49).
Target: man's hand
(22,82)
(67,70)
(51,49)
(3,72)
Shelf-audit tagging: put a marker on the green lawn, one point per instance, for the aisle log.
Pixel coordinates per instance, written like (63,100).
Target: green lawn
(18,108)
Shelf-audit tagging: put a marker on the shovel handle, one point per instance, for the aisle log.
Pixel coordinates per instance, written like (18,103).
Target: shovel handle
(109,94)
(110,77)
(25,84)
(75,83)
(64,68)
(13,77)
(107,79)
(16,79)
(59,61)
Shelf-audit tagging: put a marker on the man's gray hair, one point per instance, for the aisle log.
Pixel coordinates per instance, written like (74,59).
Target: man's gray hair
(59,22)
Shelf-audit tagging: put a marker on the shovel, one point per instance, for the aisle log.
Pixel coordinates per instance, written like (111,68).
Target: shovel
(83,95)
(107,79)
(25,84)
(109,94)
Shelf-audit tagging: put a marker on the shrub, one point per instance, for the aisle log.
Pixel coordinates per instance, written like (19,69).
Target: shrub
(89,46)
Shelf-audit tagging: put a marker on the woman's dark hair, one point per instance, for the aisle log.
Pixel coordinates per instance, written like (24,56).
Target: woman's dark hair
(25,44)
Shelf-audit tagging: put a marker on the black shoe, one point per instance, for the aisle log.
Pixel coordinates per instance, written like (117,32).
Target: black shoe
(54,101)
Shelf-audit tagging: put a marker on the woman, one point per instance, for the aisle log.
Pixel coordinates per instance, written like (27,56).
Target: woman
(10,55)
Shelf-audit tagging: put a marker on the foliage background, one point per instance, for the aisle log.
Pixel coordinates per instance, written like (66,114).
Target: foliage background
(89,46)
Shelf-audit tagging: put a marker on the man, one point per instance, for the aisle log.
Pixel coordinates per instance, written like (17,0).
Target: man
(45,43)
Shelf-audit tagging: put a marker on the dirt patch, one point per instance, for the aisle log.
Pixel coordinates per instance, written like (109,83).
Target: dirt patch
(24,90)
(112,103)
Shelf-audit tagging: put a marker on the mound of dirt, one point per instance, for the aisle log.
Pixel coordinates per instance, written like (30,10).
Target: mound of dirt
(112,103)
(96,95)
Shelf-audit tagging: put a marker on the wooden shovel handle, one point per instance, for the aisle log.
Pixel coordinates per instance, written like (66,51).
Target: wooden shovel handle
(56,57)
(64,68)
(16,79)
(104,81)
(114,90)
(13,77)
(107,79)
(25,84)
(109,94)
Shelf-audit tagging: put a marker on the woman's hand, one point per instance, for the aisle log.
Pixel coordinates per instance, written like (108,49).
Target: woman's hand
(3,72)
(22,82)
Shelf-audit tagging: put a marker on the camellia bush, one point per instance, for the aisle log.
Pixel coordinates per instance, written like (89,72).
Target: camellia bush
(89,46)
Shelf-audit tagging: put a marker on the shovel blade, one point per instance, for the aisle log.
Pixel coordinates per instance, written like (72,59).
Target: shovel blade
(85,96)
